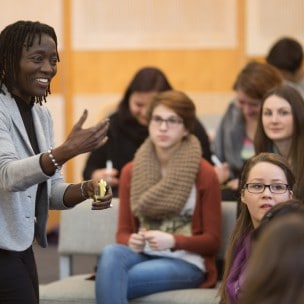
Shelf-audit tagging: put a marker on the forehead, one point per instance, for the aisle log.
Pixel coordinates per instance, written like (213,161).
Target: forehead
(275,101)
(163,110)
(43,42)
(265,171)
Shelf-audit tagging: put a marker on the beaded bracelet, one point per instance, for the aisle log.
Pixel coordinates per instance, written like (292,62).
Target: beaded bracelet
(51,156)
(82,190)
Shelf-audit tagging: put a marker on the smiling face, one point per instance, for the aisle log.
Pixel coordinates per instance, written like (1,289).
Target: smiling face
(38,65)
(138,103)
(277,119)
(259,203)
(166,134)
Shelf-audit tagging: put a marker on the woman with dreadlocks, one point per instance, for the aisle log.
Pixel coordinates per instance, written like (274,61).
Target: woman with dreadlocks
(30,179)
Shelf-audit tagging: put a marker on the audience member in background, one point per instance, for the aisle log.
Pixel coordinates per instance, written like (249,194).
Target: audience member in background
(30,163)
(286,54)
(281,130)
(233,143)
(128,127)
(274,274)
(169,226)
(265,181)
(291,206)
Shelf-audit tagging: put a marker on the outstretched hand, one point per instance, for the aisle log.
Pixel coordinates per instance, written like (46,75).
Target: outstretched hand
(82,140)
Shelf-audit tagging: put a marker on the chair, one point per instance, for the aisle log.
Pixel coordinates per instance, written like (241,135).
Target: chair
(84,231)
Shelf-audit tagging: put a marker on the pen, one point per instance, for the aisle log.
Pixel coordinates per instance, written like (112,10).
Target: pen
(216,160)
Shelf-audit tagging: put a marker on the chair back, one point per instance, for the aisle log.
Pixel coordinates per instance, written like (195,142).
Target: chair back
(86,231)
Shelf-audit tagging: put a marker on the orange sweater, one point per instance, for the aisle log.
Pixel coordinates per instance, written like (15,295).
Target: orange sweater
(206,223)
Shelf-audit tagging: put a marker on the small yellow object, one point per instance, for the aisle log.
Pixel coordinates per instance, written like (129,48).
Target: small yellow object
(102,189)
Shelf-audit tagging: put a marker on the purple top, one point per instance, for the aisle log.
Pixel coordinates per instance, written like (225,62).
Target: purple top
(235,278)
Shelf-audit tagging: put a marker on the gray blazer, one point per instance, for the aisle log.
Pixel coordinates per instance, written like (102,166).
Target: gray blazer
(20,174)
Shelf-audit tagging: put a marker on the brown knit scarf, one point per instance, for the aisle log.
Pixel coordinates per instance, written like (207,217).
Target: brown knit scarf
(156,197)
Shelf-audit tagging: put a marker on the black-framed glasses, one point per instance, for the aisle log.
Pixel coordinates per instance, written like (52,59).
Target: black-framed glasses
(170,122)
(277,188)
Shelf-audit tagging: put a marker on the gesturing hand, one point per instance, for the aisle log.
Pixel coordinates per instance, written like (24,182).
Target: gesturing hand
(82,140)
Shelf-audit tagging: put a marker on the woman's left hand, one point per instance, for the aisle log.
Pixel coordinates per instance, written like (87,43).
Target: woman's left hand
(99,203)
(159,240)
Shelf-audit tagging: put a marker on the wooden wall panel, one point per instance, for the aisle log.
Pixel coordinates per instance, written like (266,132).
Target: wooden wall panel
(203,70)
(154,24)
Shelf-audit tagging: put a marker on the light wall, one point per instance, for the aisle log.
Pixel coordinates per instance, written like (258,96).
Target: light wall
(200,44)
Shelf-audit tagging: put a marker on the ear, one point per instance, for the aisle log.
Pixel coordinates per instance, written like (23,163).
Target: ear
(186,133)
(243,196)
(290,194)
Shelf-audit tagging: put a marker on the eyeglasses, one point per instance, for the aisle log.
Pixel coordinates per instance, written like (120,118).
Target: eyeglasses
(277,188)
(171,122)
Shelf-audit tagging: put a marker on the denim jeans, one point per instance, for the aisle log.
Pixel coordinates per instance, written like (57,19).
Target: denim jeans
(123,274)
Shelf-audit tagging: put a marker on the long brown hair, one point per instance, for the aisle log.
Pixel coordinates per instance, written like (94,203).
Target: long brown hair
(146,79)
(244,222)
(276,257)
(262,143)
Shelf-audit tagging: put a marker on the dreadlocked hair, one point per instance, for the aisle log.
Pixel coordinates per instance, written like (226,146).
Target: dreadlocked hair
(13,39)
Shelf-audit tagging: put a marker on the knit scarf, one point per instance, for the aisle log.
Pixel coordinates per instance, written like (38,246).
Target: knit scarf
(158,197)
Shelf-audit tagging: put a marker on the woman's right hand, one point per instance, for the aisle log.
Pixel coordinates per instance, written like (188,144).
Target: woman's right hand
(137,242)
(110,176)
(223,172)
